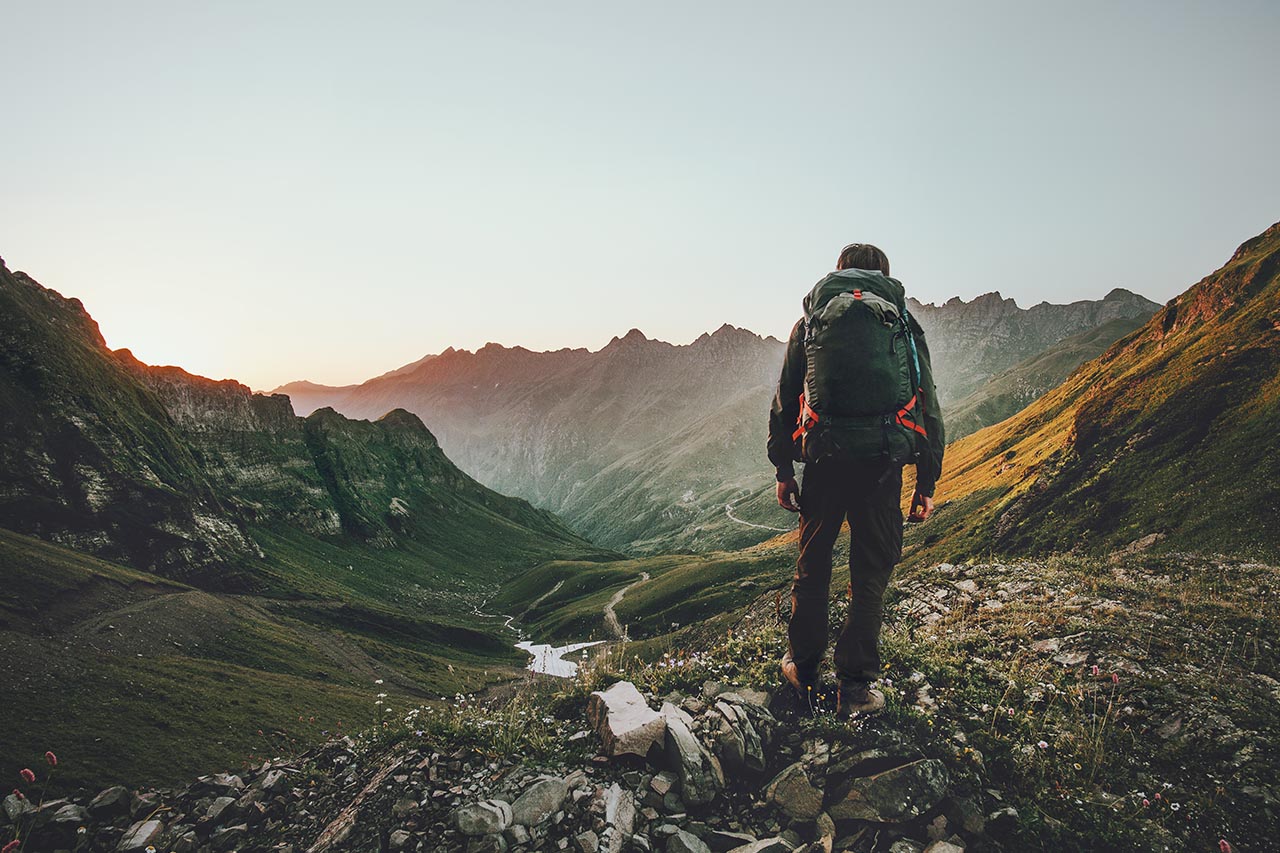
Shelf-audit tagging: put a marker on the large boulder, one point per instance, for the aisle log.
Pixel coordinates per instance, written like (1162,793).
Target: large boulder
(701,777)
(539,802)
(624,721)
(893,794)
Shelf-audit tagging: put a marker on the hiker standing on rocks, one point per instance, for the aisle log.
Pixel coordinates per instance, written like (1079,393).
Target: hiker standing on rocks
(856,402)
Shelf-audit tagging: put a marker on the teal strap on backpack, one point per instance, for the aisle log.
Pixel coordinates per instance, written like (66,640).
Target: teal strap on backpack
(911,342)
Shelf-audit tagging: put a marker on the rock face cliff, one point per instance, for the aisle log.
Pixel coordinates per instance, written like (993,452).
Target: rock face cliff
(648,446)
(973,341)
(174,473)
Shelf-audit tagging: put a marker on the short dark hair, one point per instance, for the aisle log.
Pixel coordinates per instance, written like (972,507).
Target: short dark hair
(862,256)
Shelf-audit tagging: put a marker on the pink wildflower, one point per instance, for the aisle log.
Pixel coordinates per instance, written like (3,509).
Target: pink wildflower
(1157,795)
(51,758)
(1146,803)
(1224,845)
(27,775)
(1115,678)
(11,846)
(19,794)
(1094,670)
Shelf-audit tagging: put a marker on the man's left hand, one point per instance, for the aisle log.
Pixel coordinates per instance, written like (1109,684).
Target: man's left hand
(921,507)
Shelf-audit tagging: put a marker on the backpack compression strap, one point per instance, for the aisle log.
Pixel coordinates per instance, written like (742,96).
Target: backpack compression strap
(804,418)
(905,417)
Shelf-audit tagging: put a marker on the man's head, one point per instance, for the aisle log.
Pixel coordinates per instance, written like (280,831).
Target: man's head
(862,256)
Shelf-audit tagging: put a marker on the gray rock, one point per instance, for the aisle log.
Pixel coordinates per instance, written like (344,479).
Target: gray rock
(15,808)
(587,842)
(222,809)
(943,847)
(619,818)
(539,801)
(404,807)
(276,781)
(619,808)
(1002,820)
(663,782)
(721,840)
(701,777)
(399,839)
(792,792)
(906,845)
(222,782)
(487,817)
(187,842)
(489,844)
(144,804)
(517,834)
(113,802)
(764,845)
(897,794)
(141,835)
(735,737)
(624,721)
(229,837)
(686,842)
(70,815)
(826,830)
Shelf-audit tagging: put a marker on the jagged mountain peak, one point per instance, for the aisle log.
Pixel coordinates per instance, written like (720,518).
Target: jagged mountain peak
(634,337)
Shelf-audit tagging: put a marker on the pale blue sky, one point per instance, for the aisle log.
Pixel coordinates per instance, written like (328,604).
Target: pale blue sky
(272,191)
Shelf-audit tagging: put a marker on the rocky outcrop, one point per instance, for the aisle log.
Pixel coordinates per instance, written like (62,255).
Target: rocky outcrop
(804,795)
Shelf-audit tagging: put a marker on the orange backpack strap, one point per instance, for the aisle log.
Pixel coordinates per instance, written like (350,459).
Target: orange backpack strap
(805,419)
(907,418)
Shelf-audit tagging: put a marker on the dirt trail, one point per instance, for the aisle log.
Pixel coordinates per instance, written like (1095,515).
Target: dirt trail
(728,510)
(542,597)
(610,615)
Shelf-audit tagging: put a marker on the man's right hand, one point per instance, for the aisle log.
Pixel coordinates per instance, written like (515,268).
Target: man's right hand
(789,494)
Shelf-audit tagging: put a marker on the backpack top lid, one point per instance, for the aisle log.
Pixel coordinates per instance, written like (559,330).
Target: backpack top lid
(843,281)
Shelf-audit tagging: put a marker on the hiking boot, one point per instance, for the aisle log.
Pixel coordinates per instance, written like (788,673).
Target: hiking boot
(805,687)
(858,697)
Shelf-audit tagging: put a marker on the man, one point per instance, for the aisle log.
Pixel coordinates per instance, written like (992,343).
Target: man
(842,408)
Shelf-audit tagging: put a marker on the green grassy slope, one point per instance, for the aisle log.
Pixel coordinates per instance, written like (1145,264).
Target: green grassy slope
(134,678)
(1014,389)
(1170,434)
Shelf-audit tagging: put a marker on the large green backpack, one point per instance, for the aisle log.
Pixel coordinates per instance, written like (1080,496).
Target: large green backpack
(861,396)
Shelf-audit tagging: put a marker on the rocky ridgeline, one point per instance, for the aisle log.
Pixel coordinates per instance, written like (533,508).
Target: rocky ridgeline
(718,772)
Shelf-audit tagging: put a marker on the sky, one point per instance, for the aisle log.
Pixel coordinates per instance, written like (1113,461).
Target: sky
(288,190)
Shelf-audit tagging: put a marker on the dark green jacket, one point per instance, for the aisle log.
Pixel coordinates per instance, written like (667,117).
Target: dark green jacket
(783,450)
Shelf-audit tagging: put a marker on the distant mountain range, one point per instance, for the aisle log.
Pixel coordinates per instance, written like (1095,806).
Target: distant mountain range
(973,341)
(647,446)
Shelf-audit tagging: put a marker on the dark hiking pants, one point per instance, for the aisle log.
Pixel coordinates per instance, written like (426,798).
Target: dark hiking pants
(870,495)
